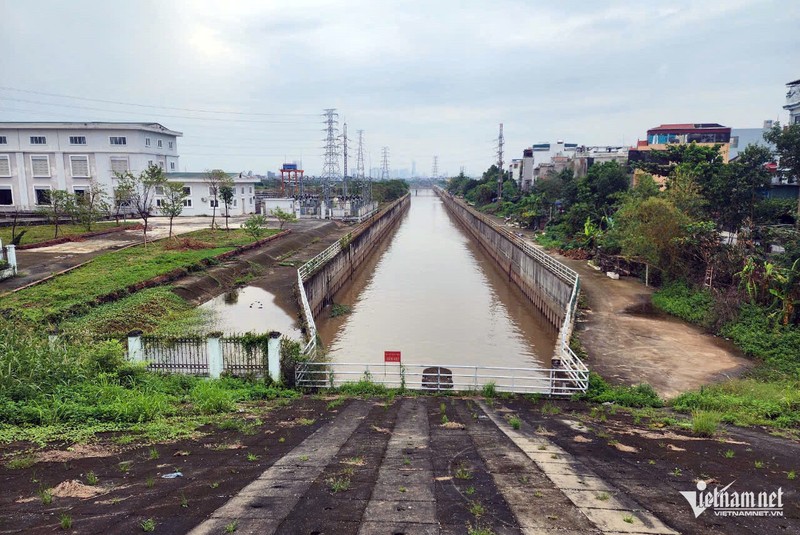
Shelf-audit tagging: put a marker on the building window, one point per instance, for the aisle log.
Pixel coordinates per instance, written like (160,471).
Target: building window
(118,140)
(79,166)
(187,203)
(119,165)
(42,196)
(77,140)
(213,203)
(160,143)
(242,190)
(161,164)
(212,190)
(251,190)
(187,190)
(5,165)
(797,119)
(6,197)
(170,144)
(159,202)
(38,140)
(40,165)
(147,142)
(149,163)
(3,140)
(251,200)
(79,193)
(159,190)
(234,202)
(172,165)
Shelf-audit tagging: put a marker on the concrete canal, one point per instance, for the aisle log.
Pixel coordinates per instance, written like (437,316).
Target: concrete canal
(432,293)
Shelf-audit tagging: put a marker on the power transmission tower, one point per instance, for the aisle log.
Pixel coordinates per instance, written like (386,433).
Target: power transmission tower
(344,153)
(330,166)
(385,163)
(360,156)
(435,172)
(500,142)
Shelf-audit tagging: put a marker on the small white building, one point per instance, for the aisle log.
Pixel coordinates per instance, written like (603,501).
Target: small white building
(200,200)
(36,157)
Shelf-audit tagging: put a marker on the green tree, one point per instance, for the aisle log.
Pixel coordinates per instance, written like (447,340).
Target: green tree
(172,202)
(122,194)
(255,226)
(226,193)
(734,193)
(91,205)
(787,148)
(684,192)
(59,204)
(604,182)
(143,194)
(214,179)
(283,217)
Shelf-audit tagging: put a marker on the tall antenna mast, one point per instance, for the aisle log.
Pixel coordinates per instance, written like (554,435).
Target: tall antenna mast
(500,142)
(330,166)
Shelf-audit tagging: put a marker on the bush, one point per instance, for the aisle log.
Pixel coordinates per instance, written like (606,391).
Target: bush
(209,397)
(760,336)
(704,423)
(600,391)
(678,299)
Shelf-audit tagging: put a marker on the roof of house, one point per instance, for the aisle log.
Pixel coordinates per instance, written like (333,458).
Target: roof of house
(92,125)
(793,83)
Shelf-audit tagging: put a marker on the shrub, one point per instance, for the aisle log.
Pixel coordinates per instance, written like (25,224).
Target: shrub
(678,299)
(760,336)
(638,396)
(704,423)
(209,397)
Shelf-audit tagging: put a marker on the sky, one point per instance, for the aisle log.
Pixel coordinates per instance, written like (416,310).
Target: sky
(247,81)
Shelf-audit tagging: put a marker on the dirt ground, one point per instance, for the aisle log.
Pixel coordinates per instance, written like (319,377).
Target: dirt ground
(629,342)
(410,465)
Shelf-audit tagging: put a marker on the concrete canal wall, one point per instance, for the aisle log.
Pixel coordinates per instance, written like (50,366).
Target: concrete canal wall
(546,282)
(326,274)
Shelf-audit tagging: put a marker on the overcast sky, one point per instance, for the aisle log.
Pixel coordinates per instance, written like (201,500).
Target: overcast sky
(421,77)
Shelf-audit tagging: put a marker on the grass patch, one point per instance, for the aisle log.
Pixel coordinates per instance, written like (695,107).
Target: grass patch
(40,233)
(76,292)
(489,390)
(338,309)
(638,396)
(691,305)
(704,423)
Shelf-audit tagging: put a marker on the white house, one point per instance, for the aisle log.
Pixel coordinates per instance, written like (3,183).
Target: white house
(200,200)
(36,157)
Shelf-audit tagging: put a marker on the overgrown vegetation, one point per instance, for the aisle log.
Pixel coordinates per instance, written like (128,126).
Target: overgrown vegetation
(600,391)
(40,233)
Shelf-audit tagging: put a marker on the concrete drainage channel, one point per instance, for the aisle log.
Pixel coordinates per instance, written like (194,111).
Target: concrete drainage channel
(428,466)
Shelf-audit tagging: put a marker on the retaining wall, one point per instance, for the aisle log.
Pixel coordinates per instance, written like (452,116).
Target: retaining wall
(548,290)
(323,283)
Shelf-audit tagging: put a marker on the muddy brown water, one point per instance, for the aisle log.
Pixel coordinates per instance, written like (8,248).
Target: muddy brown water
(250,309)
(432,293)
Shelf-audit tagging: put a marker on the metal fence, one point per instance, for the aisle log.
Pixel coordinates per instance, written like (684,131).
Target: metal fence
(243,359)
(175,355)
(444,378)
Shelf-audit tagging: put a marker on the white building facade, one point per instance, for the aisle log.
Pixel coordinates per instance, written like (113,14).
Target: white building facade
(37,157)
(200,195)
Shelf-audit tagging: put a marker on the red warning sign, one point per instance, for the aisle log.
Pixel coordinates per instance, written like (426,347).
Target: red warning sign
(391,356)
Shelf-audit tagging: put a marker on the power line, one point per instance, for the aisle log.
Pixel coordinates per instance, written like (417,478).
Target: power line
(150,105)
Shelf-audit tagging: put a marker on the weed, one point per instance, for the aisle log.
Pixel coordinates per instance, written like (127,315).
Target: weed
(628,519)
(677,472)
(603,496)
(407,461)
(489,390)
(184,501)
(651,462)
(469,491)
(65,521)
(149,482)
(282,440)
(759,464)
(348,471)
(728,454)
(154,454)
(477,509)
(115,501)
(791,475)
(537,494)
(305,421)
(550,409)
(475,530)
(303,458)
(21,462)
(554,456)
(402,489)
(335,403)
(214,485)
(232,526)
(125,466)
(462,472)
(444,419)
(338,309)
(541,447)
(515,422)
(148,525)
(91,478)
(358,461)
(338,484)
(704,423)
(442,408)
(252,457)
(46,495)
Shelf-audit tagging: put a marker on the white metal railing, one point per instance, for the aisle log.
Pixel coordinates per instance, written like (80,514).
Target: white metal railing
(438,377)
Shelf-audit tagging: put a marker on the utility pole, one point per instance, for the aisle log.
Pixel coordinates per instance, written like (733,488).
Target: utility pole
(500,142)
(344,153)
(385,163)
(435,172)
(330,166)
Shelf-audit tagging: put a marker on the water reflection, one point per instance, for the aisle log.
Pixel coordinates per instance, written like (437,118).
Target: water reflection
(250,309)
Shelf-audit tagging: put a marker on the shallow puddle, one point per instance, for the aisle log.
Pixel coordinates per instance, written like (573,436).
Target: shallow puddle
(250,309)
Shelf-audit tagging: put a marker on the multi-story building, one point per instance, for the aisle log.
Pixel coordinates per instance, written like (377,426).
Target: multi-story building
(37,157)
(200,195)
(793,102)
(585,157)
(658,138)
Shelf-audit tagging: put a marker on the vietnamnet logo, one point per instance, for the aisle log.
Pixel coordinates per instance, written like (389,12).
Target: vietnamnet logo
(730,503)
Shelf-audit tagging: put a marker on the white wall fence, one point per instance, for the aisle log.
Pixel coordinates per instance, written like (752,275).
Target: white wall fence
(8,254)
(209,356)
